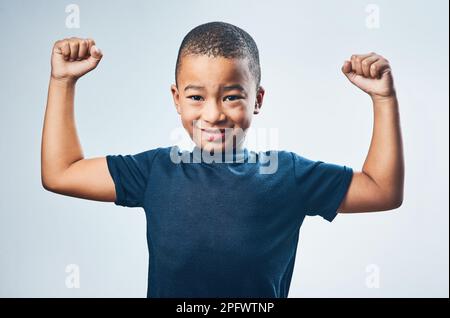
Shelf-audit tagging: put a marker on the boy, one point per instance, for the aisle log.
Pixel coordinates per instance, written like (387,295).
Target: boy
(220,228)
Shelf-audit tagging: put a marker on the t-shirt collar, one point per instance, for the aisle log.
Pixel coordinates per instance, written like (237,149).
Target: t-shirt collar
(228,156)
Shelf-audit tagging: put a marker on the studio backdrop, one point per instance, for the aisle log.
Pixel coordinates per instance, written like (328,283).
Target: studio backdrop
(59,246)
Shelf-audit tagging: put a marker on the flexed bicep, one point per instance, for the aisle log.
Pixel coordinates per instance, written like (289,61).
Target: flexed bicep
(364,195)
(88,179)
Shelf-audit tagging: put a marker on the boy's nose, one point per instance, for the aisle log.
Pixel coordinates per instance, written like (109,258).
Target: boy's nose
(212,112)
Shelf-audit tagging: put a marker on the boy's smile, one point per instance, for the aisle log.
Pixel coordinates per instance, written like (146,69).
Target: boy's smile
(216,98)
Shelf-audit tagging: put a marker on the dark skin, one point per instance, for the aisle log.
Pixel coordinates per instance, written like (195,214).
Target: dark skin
(378,187)
(216,102)
(216,93)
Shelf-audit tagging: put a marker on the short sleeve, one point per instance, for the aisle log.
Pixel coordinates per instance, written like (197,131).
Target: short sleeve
(322,185)
(130,174)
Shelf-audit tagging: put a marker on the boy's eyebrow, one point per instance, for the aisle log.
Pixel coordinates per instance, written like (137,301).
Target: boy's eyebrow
(190,86)
(233,87)
(225,88)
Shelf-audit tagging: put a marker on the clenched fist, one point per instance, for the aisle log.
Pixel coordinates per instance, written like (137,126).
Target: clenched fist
(74,57)
(371,73)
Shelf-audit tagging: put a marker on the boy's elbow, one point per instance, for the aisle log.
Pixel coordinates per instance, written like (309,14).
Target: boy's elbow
(392,198)
(397,203)
(394,202)
(398,197)
(49,184)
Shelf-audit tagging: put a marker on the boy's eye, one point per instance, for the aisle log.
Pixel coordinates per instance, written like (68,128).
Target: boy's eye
(233,97)
(195,97)
(228,98)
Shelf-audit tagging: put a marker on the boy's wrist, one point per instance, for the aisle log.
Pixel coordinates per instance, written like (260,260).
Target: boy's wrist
(384,99)
(63,81)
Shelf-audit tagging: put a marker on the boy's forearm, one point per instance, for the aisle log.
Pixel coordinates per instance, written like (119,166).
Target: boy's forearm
(60,144)
(384,162)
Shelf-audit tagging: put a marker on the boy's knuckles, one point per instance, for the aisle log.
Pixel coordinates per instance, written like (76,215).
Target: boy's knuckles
(59,43)
(65,49)
(82,52)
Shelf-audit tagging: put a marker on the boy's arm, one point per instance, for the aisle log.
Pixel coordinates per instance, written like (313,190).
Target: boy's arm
(63,167)
(379,186)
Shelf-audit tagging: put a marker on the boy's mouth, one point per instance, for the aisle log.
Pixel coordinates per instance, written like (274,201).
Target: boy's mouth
(214,134)
(214,131)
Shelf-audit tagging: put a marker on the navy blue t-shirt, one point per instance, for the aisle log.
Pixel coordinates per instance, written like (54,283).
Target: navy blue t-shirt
(225,229)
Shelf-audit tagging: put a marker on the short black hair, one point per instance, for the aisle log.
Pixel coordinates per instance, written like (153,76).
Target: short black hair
(221,39)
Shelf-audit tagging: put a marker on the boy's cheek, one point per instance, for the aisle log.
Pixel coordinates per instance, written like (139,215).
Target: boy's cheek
(187,119)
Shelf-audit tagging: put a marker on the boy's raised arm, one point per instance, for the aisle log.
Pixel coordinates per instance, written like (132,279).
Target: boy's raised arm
(63,167)
(379,186)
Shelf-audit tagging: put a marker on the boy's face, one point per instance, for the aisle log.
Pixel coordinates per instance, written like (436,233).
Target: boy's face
(213,94)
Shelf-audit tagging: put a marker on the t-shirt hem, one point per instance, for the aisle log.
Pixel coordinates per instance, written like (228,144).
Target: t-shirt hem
(120,195)
(342,191)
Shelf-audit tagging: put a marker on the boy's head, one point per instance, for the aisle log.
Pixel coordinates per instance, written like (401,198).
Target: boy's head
(217,86)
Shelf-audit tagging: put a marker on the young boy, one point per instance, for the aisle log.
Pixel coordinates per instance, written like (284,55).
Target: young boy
(222,227)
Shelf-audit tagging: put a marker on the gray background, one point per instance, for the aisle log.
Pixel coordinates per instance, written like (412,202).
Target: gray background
(125,107)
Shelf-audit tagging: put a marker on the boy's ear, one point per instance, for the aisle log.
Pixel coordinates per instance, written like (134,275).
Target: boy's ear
(176,97)
(259,100)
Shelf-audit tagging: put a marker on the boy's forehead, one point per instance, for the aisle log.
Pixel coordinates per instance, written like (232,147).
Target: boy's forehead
(206,70)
